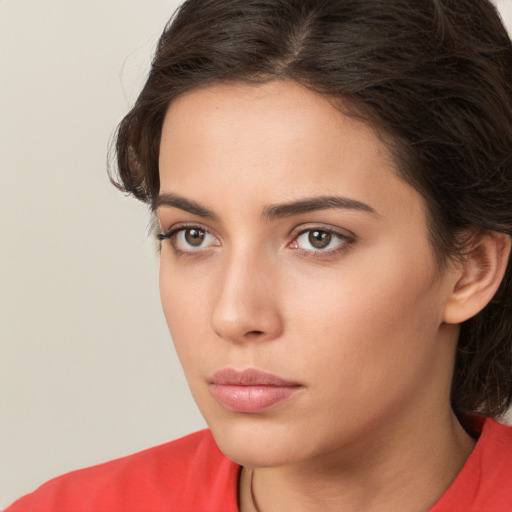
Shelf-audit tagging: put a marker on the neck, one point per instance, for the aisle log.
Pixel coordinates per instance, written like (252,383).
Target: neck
(400,469)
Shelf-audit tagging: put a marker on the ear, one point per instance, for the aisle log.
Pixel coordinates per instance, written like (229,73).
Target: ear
(479,277)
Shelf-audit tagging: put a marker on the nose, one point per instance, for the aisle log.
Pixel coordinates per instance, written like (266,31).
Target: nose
(246,307)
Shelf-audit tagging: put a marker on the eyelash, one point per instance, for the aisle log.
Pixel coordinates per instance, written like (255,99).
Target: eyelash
(171,236)
(346,241)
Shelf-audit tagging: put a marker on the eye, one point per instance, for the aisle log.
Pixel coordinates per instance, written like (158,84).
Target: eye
(192,237)
(188,239)
(320,241)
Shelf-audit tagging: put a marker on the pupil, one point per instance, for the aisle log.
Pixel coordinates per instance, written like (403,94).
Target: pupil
(319,239)
(194,237)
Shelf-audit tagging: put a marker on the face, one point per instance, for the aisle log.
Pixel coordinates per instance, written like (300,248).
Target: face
(296,275)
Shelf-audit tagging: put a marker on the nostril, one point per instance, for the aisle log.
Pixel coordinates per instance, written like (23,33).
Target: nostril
(254,333)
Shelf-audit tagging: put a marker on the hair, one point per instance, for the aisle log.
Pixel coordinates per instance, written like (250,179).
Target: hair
(433,77)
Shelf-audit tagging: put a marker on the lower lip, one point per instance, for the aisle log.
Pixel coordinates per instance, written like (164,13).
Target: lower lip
(252,399)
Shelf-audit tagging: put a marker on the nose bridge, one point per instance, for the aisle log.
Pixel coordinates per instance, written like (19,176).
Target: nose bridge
(246,304)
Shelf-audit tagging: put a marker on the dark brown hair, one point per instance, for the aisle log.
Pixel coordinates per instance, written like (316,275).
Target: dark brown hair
(433,77)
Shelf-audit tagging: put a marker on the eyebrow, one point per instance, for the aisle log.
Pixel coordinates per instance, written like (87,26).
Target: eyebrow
(315,204)
(271,212)
(175,201)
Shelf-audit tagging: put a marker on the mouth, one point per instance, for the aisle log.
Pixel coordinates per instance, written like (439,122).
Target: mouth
(251,390)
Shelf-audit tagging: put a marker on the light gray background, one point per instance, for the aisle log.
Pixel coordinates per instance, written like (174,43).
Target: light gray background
(87,372)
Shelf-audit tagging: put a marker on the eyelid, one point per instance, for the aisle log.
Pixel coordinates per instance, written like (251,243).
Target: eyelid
(311,226)
(164,234)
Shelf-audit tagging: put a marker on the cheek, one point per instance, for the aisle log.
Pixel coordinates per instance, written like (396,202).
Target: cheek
(366,324)
(186,298)
(181,303)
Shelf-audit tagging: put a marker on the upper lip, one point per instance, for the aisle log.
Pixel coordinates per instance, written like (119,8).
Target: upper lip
(248,377)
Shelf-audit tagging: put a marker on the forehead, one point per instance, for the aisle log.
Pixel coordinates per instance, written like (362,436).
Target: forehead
(277,104)
(278,141)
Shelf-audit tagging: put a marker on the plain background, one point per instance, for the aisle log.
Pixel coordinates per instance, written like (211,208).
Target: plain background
(87,372)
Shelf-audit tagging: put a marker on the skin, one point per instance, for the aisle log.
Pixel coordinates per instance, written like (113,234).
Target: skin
(361,325)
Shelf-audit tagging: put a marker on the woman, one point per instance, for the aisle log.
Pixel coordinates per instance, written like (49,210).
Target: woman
(331,184)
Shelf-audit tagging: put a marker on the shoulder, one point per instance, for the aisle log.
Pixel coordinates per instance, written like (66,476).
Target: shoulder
(485,481)
(187,474)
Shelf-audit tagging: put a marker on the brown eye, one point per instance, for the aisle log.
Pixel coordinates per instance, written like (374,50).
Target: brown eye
(194,237)
(319,239)
(321,242)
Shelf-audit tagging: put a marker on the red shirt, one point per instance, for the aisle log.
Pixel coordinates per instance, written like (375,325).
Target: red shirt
(192,475)
(485,482)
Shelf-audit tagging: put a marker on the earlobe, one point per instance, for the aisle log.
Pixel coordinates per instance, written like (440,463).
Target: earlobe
(479,277)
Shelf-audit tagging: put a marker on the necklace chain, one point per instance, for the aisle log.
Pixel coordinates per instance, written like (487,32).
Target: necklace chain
(253,498)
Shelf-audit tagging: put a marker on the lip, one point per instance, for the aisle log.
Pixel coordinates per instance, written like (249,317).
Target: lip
(251,390)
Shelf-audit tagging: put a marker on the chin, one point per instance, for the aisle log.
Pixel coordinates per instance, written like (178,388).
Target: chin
(257,442)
